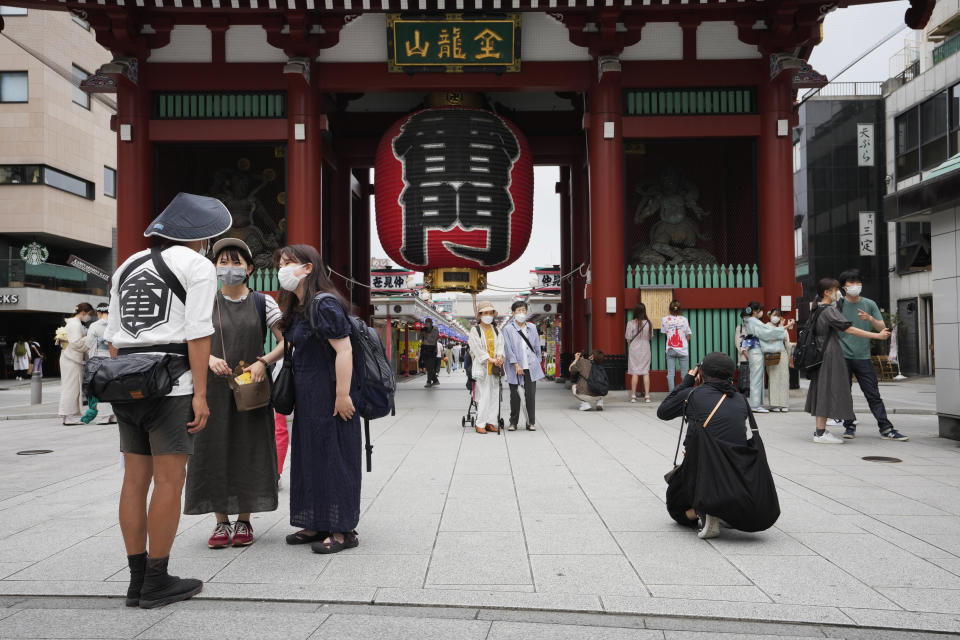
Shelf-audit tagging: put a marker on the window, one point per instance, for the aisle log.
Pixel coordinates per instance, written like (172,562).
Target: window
(907,128)
(933,131)
(13,86)
(913,247)
(80,97)
(798,242)
(11,174)
(12,11)
(796,157)
(110,182)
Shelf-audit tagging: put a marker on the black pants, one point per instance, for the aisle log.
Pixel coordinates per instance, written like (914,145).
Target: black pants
(867,379)
(530,396)
(430,362)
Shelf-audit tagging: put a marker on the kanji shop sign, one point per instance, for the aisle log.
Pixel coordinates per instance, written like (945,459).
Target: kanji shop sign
(453,43)
(391,281)
(865,145)
(454,189)
(868,233)
(547,280)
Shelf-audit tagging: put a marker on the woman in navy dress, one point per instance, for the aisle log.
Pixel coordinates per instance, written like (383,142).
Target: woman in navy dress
(325,451)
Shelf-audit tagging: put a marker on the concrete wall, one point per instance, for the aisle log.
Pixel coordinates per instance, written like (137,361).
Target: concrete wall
(50,129)
(945,237)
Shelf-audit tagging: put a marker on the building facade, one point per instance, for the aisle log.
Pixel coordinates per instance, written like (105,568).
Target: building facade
(839,173)
(670,122)
(923,139)
(57,174)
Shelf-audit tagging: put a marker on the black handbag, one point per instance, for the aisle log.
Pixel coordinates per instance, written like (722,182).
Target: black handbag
(743,379)
(284,395)
(132,377)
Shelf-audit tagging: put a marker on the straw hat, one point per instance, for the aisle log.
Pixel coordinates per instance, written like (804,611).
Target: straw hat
(486,305)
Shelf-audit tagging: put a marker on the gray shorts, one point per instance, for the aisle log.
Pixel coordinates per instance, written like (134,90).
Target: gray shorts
(155,427)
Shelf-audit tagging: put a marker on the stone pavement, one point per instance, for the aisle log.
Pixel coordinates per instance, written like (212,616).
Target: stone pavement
(528,528)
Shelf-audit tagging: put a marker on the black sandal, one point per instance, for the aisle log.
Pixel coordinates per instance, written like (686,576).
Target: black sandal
(350,540)
(302,538)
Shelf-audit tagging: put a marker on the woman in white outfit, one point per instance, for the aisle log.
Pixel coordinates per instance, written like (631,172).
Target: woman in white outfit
(71,364)
(778,375)
(98,347)
(487,350)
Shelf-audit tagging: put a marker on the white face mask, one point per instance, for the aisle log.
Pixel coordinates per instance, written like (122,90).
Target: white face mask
(837,296)
(521,317)
(775,319)
(854,290)
(288,279)
(204,248)
(486,319)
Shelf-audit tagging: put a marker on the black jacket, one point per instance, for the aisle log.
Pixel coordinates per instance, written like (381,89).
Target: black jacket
(729,423)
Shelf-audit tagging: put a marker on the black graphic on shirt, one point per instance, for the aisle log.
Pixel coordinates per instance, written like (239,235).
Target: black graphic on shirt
(144,303)
(456,171)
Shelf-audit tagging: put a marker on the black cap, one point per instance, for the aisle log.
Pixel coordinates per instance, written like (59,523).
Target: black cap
(718,365)
(190,217)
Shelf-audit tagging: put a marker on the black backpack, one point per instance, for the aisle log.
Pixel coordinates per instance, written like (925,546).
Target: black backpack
(808,354)
(597,380)
(378,383)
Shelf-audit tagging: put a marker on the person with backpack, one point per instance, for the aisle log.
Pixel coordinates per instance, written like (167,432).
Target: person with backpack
(325,447)
(591,383)
(487,355)
(522,348)
(233,470)
(821,356)
(161,303)
(21,358)
(677,330)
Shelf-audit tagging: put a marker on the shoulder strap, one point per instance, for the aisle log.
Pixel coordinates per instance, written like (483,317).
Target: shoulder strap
(130,267)
(753,421)
(167,276)
(260,301)
(523,334)
(719,402)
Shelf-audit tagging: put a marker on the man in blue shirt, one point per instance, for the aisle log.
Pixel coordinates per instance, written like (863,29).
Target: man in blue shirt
(864,314)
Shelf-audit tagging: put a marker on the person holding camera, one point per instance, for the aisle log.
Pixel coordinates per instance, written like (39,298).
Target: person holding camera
(580,368)
(487,353)
(710,401)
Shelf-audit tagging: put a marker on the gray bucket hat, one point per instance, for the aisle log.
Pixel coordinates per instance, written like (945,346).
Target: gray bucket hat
(190,217)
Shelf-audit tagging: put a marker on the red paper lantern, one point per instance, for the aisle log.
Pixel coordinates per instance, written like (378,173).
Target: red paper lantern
(454,190)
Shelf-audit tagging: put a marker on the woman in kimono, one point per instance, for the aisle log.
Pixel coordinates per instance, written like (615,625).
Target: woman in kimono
(487,350)
(755,333)
(72,355)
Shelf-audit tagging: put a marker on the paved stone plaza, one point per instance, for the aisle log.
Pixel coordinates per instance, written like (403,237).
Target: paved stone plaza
(558,533)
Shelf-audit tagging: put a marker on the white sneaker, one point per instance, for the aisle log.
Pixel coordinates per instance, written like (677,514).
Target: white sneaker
(833,422)
(70,421)
(585,406)
(600,404)
(761,410)
(710,528)
(633,399)
(827,438)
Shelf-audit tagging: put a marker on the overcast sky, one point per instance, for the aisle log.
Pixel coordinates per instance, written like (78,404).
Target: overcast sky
(847,33)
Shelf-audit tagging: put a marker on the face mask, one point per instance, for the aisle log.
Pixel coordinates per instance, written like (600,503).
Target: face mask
(204,249)
(855,290)
(837,296)
(775,319)
(231,275)
(288,279)
(486,319)
(521,317)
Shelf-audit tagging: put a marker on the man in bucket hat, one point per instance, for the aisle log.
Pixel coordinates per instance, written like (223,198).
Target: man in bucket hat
(161,302)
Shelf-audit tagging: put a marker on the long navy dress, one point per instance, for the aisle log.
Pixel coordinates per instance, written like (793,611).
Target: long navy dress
(326,451)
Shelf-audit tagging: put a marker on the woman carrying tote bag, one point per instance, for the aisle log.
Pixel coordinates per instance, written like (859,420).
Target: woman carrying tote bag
(234,466)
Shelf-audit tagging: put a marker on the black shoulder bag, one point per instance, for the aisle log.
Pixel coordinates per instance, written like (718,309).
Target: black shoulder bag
(284,395)
(139,373)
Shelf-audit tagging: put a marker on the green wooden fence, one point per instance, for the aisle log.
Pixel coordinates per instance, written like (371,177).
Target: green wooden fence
(689,276)
(711,329)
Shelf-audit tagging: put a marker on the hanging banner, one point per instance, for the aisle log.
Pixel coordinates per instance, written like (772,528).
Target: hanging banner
(390,281)
(865,145)
(453,43)
(868,233)
(547,280)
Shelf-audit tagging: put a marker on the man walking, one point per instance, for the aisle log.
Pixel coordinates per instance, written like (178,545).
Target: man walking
(429,336)
(864,314)
(161,307)
(522,347)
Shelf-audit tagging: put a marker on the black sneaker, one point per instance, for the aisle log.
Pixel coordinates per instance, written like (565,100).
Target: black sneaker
(893,434)
(849,433)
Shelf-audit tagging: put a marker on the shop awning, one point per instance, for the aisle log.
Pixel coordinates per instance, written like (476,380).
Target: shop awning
(939,190)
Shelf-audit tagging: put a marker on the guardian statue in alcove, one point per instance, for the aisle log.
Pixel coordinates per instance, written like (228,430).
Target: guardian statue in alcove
(673,238)
(252,223)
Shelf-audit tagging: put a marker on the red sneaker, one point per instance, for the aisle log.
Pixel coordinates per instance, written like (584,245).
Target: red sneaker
(243,534)
(221,536)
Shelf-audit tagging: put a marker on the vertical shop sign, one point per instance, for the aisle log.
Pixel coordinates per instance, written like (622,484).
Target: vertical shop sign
(865,146)
(868,233)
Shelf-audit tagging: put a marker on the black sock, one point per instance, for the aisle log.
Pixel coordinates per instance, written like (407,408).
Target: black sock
(819,432)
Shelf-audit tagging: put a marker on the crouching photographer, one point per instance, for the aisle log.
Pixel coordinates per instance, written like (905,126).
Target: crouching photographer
(724,475)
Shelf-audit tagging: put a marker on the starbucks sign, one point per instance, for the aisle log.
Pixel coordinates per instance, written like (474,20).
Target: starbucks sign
(34,253)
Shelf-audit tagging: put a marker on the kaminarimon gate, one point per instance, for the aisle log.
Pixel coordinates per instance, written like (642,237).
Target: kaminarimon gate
(671,122)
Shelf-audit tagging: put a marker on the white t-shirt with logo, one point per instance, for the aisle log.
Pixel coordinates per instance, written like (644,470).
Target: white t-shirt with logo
(676,328)
(145,312)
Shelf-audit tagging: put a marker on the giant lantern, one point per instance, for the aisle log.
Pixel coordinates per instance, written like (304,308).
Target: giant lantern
(454,194)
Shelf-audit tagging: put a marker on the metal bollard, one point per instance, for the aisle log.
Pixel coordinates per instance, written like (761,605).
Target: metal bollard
(36,388)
